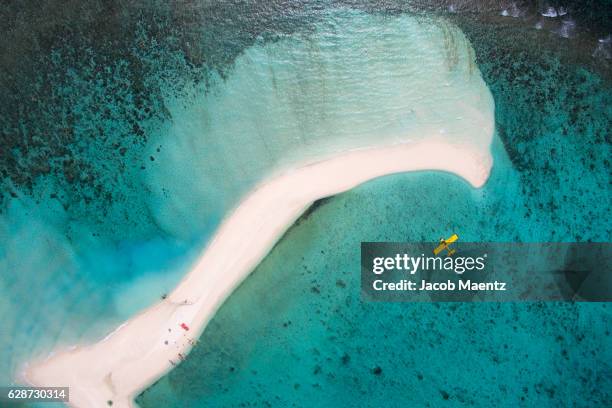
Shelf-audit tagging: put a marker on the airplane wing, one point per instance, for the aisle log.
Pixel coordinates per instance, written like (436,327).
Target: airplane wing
(452,238)
(440,248)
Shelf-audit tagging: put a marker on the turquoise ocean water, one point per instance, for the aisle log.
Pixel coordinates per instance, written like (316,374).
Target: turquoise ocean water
(296,333)
(117,167)
(147,210)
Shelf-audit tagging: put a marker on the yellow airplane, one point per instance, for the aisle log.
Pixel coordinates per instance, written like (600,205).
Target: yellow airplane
(444,245)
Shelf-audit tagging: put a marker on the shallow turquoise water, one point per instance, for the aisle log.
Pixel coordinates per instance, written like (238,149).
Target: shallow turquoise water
(296,332)
(354,80)
(146,210)
(86,238)
(110,184)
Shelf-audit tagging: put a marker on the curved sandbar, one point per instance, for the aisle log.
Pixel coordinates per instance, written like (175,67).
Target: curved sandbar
(128,360)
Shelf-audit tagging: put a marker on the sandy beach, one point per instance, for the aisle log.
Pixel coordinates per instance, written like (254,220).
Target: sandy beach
(141,350)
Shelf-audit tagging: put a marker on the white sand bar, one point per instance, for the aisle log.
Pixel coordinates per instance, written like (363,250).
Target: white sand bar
(135,355)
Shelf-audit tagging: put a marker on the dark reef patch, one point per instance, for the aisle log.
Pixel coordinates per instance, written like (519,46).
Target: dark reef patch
(84,85)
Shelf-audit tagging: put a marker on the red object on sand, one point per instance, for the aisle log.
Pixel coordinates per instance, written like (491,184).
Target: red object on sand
(184,326)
